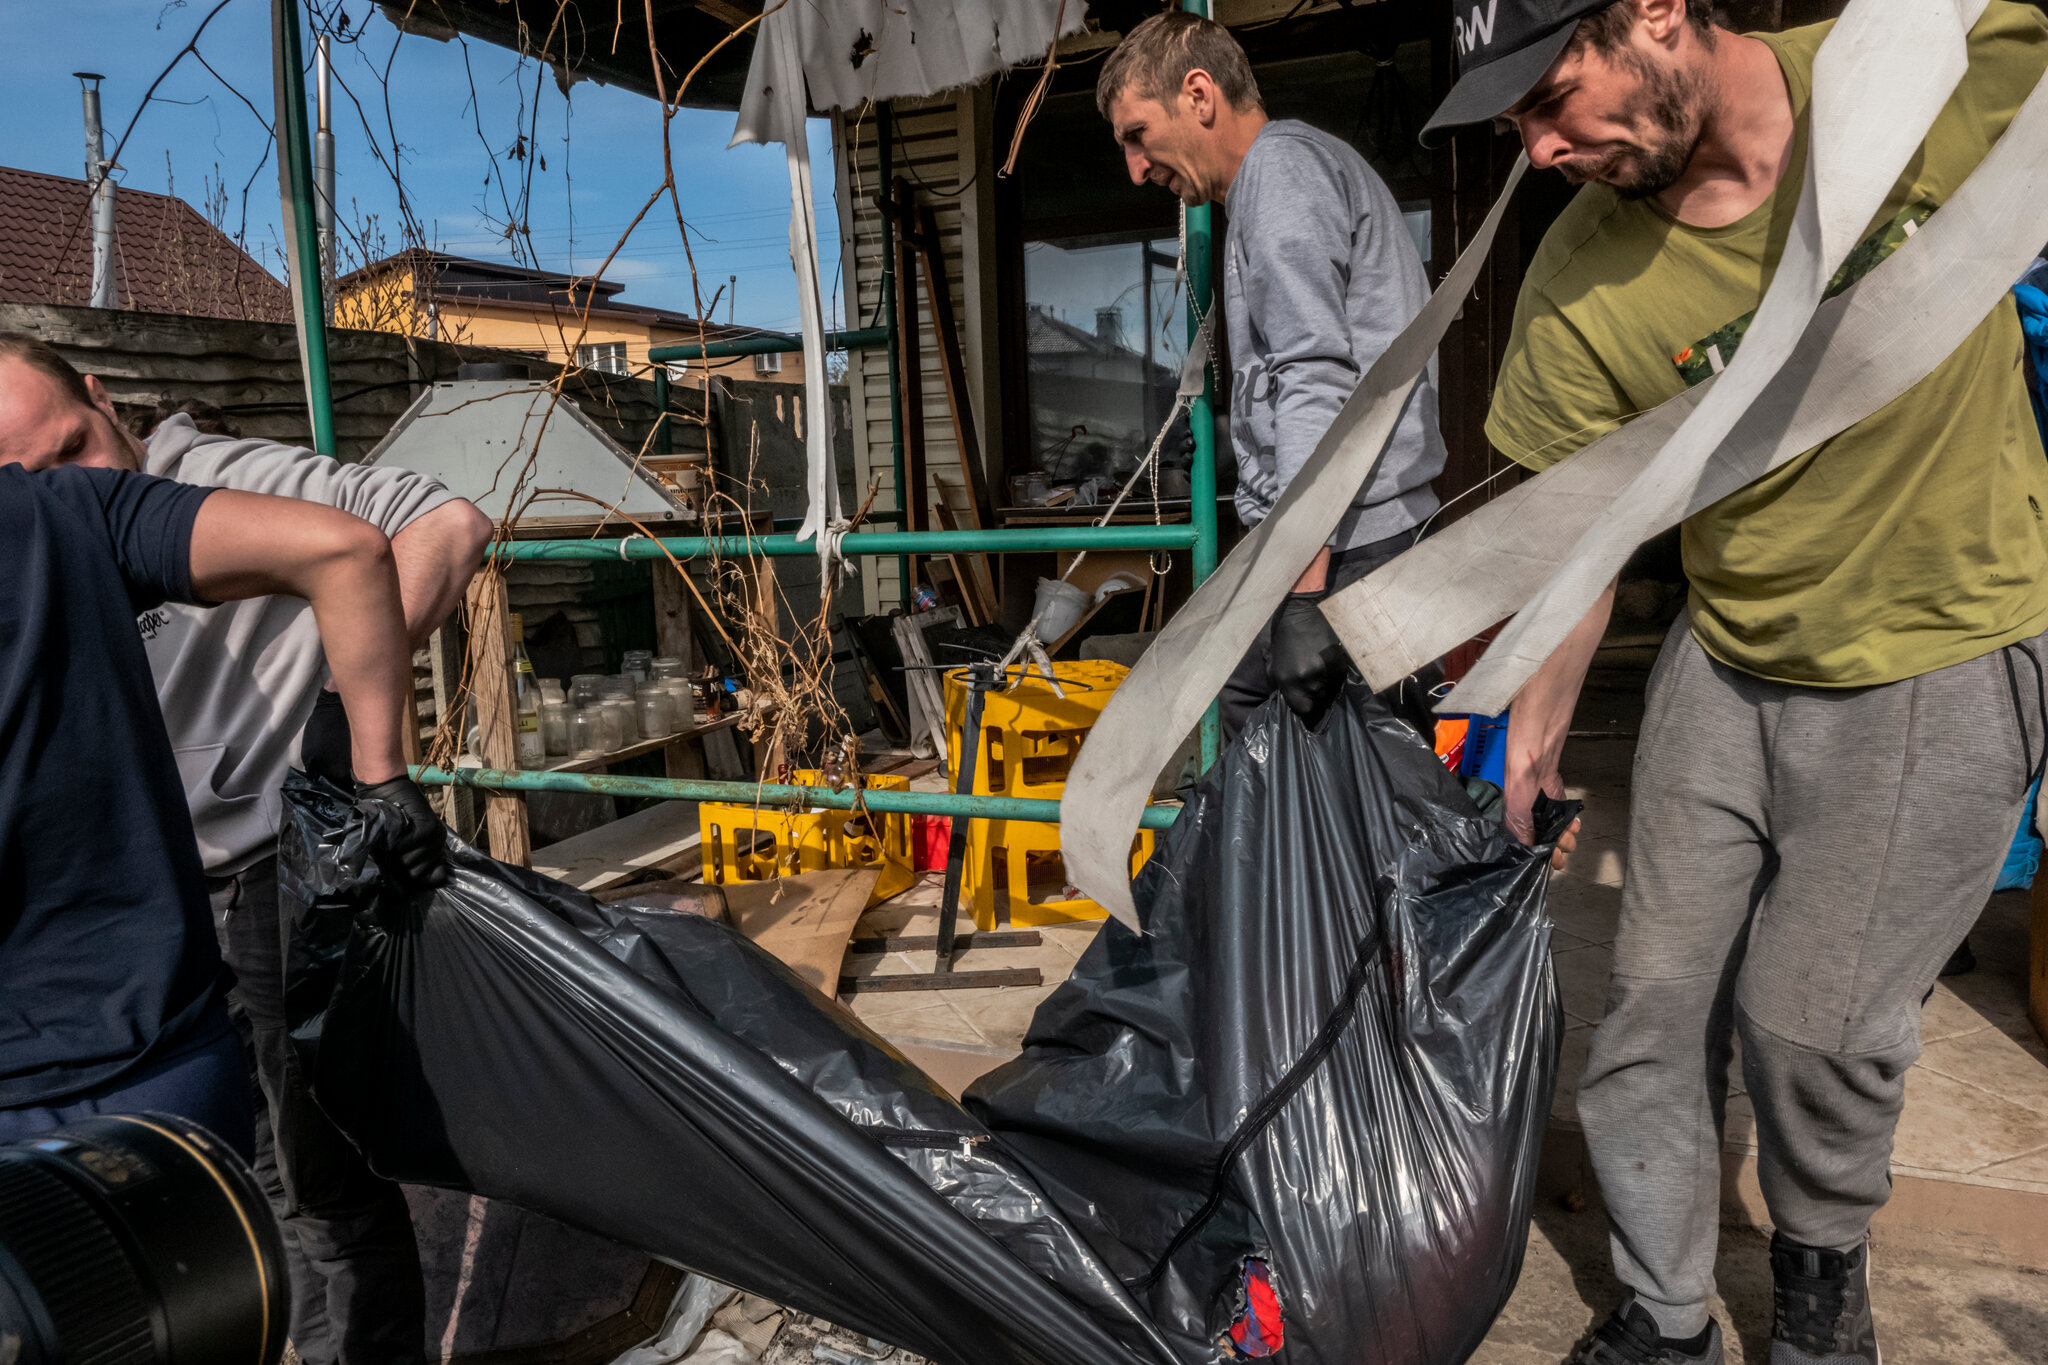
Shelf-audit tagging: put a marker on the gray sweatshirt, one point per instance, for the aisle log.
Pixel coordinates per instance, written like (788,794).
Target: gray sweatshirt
(1320,275)
(237,682)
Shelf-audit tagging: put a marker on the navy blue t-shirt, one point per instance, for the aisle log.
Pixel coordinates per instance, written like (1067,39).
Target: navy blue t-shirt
(107,953)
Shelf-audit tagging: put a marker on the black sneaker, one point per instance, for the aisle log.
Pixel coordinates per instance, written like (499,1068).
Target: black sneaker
(1822,1306)
(1629,1337)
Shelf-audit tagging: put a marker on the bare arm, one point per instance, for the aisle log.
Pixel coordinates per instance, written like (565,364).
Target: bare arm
(1317,575)
(1540,720)
(437,554)
(253,545)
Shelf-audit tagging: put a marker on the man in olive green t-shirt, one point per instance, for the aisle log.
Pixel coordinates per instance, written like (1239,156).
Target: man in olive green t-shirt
(1839,732)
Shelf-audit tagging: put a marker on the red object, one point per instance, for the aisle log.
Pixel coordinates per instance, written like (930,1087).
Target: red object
(930,837)
(1459,661)
(1260,1332)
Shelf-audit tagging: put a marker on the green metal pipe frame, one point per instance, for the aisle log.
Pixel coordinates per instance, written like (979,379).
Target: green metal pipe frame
(664,441)
(770,794)
(1202,421)
(1011,540)
(295,153)
(768,343)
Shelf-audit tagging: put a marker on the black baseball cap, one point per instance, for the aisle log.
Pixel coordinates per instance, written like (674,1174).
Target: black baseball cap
(1503,49)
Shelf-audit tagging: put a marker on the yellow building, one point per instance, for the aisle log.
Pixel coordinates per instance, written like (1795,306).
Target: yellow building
(512,307)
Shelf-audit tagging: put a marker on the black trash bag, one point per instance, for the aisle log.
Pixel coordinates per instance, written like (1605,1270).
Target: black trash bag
(1331,1054)
(656,1079)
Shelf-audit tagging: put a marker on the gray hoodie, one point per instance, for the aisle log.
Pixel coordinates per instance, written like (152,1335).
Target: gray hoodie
(1320,275)
(237,682)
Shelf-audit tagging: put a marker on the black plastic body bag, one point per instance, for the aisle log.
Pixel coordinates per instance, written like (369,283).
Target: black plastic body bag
(1332,1053)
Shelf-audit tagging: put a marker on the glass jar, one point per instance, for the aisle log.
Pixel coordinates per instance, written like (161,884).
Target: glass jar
(585,689)
(666,667)
(656,715)
(622,727)
(587,738)
(638,664)
(682,702)
(554,725)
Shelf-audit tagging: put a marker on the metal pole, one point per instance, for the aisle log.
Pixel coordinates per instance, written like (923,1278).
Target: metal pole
(1202,420)
(885,169)
(98,175)
(981,680)
(664,440)
(323,172)
(302,237)
(770,794)
(1008,540)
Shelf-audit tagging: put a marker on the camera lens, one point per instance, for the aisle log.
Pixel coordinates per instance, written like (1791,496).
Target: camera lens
(136,1239)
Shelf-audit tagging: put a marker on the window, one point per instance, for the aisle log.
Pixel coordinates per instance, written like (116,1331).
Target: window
(768,362)
(607,357)
(1104,336)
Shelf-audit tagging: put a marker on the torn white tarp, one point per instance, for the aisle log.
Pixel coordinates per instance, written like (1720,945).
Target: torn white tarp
(779,78)
(836,56)
(857,50)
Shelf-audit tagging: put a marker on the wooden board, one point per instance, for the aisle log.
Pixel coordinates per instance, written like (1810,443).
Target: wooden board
(645,746)
(490,680)
(663,837)
(805,920)
(953,1068)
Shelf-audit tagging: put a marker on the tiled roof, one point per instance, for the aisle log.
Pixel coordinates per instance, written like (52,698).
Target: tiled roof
(167,258)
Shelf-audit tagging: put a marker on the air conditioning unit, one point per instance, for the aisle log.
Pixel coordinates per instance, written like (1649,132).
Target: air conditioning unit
(768,362)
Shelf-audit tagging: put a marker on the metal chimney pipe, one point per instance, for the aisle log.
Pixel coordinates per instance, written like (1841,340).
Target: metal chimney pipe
(97,176)
(323,172)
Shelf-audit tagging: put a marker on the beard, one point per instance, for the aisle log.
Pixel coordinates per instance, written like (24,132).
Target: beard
(1670,111)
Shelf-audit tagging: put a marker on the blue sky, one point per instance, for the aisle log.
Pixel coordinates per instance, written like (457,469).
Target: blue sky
(602,147)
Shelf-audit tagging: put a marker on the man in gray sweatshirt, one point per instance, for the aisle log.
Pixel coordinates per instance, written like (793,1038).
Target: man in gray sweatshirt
(243,691)
(1320,276)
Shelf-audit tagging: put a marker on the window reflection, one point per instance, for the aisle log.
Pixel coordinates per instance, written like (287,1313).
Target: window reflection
(1105,332)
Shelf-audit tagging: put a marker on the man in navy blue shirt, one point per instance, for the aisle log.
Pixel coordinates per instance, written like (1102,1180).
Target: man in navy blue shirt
(112,992)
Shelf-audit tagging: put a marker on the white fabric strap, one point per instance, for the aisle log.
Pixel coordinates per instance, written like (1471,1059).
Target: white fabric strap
(1862,351)
(1879,80)
(1164,697)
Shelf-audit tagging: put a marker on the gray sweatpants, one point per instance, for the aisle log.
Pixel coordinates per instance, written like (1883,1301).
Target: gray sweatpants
(1801,863)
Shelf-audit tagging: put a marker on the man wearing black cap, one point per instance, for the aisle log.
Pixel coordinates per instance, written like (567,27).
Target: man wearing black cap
(1320,275)
(1838,735)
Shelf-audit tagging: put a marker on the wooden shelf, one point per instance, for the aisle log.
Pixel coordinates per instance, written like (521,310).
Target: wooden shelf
(645,746)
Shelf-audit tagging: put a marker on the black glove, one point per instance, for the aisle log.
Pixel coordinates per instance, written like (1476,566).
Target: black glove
(406,837)
(1306,662)
(324,745)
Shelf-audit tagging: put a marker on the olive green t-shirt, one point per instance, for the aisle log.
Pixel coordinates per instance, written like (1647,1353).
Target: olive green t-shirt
(1913,540)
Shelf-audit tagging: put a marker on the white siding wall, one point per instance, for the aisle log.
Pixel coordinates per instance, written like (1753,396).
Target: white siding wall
(940,146)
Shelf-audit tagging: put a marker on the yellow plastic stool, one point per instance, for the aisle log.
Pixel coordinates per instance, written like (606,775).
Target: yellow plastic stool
(1028,742)
(809,841)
